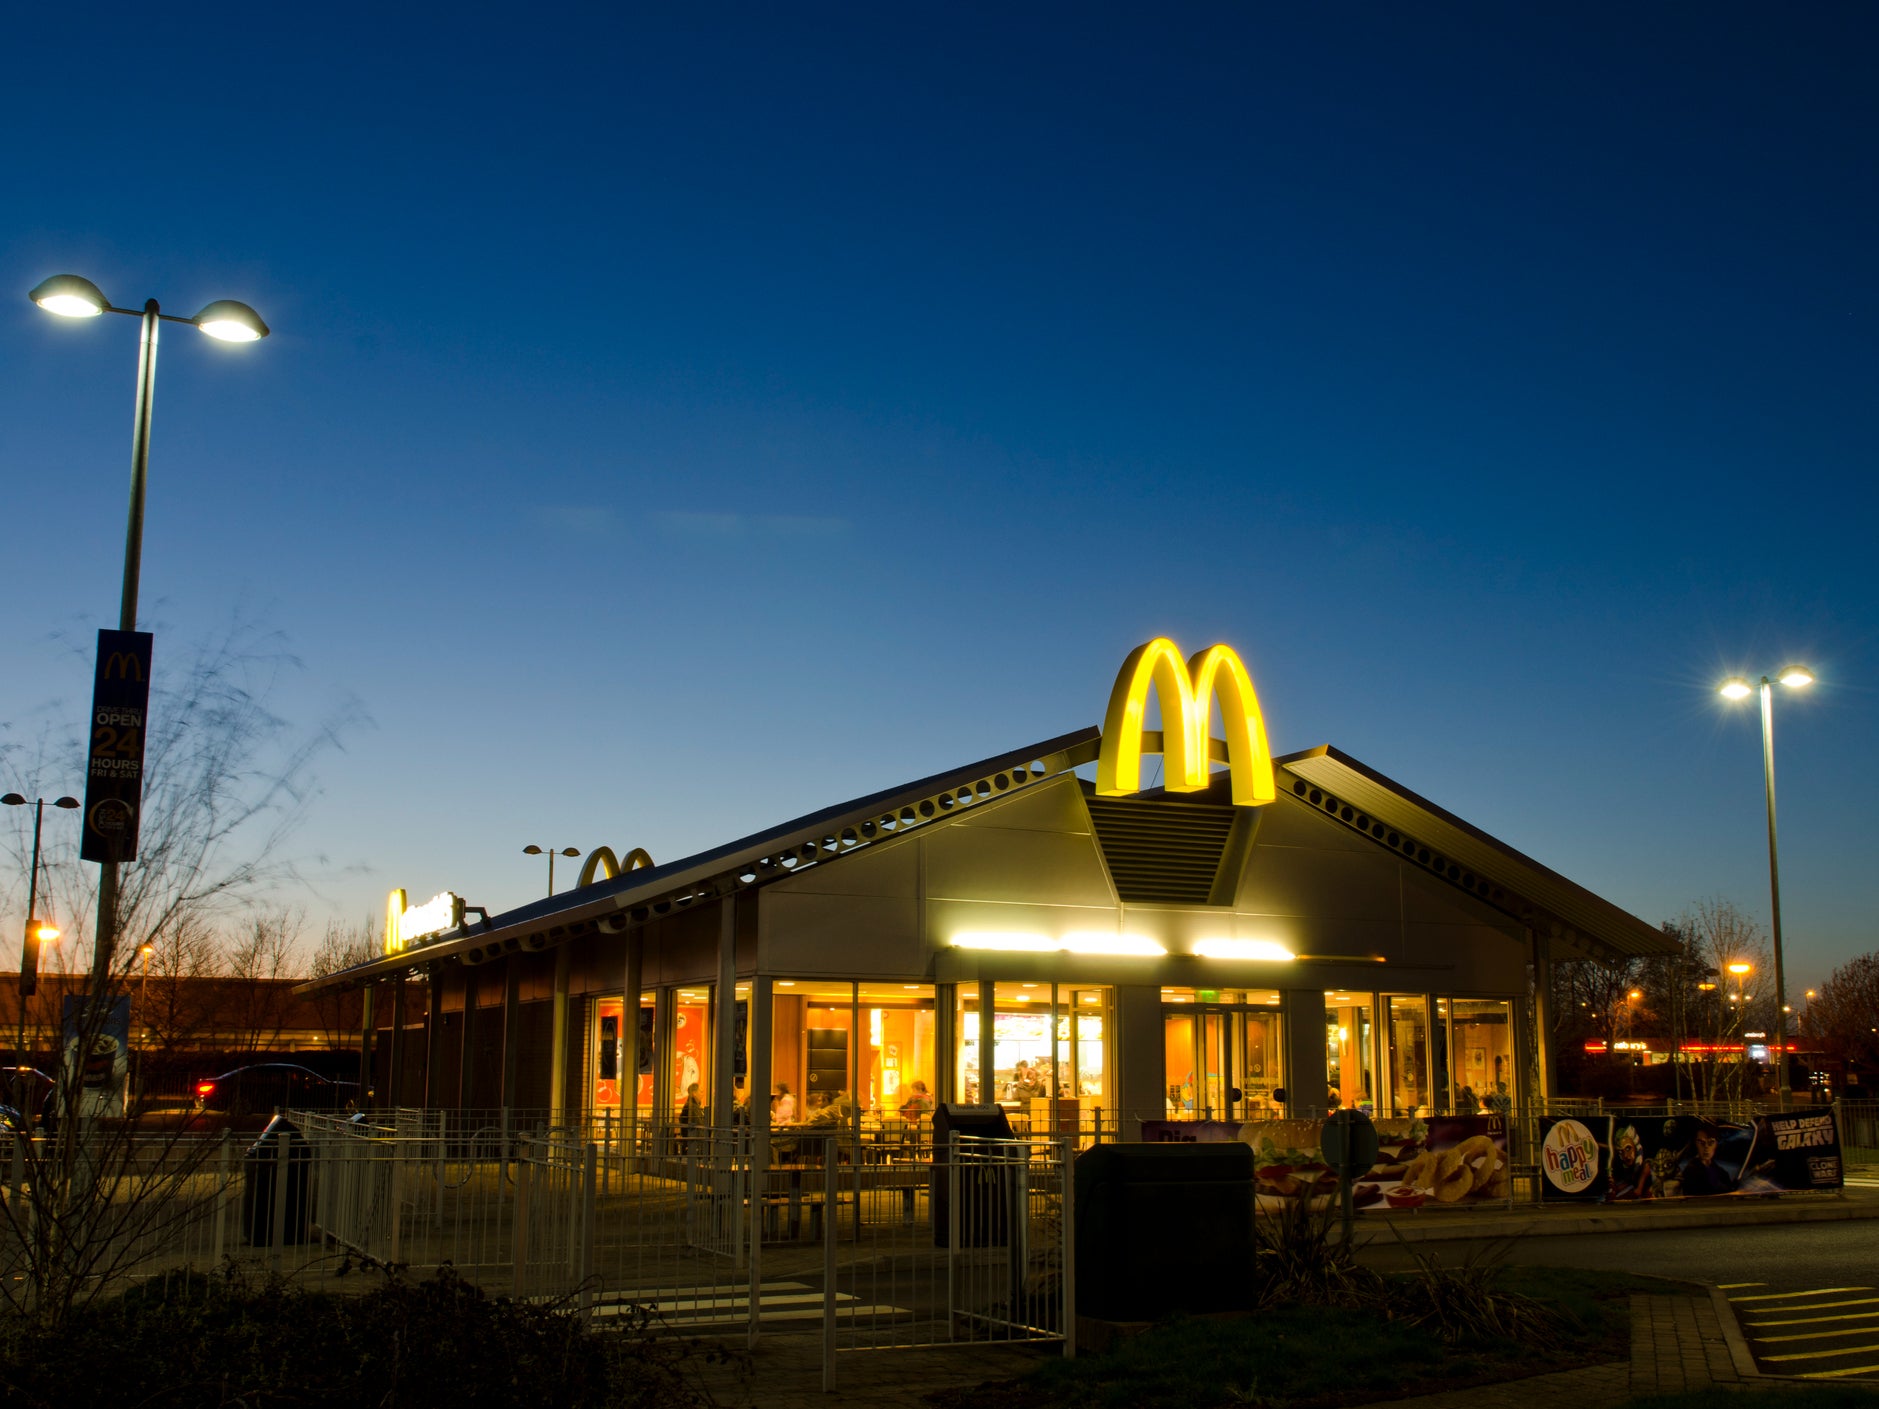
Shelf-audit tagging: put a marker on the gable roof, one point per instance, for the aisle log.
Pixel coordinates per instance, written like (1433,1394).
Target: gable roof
(1380,809)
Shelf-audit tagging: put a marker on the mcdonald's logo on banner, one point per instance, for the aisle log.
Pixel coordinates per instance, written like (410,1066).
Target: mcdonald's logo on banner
(1187,690)
(123,665)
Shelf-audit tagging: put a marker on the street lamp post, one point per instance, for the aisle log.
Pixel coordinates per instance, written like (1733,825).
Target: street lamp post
(1794,677)
(551,854)
(35,933)
(71,296)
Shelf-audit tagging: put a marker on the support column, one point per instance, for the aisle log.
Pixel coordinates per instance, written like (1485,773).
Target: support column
(1139,1058)
(724,1016)
(558,1045)
(629,1043)
(988,1006)
(394,1079)
(662,1102)
(1540,1075)
(1307,1077)
(945,1042)
(466,1082)
(434,1039)
(367,1016)
(511,1027)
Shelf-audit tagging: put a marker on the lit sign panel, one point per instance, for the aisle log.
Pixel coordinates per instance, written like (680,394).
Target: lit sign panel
(1187,690)
(406,926)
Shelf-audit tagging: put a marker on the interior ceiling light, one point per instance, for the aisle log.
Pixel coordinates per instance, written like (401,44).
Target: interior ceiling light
(1257,950)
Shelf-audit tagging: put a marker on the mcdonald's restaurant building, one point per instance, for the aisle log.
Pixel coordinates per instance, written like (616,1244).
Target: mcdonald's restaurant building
(1260,939)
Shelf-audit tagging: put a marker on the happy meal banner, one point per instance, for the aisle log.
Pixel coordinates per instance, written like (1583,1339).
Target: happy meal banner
(1575,1158)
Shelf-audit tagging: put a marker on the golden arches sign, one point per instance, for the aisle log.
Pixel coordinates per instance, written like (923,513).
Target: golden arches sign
(1186,690)
(601,858)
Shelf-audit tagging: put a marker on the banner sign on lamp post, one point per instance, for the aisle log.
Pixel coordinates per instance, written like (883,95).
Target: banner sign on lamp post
(114,767)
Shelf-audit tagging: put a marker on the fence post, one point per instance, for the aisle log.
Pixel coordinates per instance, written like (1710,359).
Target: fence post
(394,1198)
(277,1230)
(830,1225)
(589,1177)
(221,1198)
(759,1179)
(954,1216)
(1068,1260)
(520,1249)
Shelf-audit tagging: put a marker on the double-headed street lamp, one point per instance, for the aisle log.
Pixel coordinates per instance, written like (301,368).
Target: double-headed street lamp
(70,296)
(551,854)
(37,932)
(1794,677)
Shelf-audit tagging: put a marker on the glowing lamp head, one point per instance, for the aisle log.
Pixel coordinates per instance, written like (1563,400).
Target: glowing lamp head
(46,933)
(69,296)
(1740,968)
(1796,677)
(231,321)
(1736,688)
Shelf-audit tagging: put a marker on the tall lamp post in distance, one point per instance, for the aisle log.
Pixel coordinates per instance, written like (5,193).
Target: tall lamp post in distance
(1737,688)
(35,933)
(551,854)
(70,296)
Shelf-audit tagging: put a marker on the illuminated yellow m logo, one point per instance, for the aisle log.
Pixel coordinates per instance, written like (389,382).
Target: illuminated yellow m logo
(123,665)
(601,858)
(1186,690)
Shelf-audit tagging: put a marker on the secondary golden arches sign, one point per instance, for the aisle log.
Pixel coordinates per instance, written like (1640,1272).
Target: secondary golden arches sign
(1186,690)
(602,859)
(406,924)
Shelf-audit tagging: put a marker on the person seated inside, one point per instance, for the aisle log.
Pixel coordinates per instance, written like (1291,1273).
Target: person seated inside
(782,1105)
(918,1103)
(839,1111)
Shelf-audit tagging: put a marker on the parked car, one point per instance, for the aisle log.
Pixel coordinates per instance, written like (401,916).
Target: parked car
(253,1093)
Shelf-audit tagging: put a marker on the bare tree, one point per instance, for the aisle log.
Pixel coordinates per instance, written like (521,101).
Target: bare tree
(341,947)
(256,961)
(1842,1018)
(226,782)
(1725,948)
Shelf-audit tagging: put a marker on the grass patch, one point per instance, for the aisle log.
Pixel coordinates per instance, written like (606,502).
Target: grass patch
(1301,1356)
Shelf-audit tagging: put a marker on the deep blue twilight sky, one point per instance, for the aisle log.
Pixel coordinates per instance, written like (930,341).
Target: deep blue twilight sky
(677,420)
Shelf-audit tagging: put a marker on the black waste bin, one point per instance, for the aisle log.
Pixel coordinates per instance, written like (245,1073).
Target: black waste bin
(1163,1228)
(985,1219)
(261,1178)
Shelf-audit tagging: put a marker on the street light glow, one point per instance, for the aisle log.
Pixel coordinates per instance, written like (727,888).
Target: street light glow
(231,321)
(1795,676)
(1736,688)
(47,933)
(70,296)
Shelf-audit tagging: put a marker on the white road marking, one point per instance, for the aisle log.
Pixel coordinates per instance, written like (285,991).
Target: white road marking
(1783,1296)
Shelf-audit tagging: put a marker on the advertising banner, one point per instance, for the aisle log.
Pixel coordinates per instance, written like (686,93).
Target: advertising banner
(105,1060)
(114,764)
(1189,1132)
(1575,1158)
(1440,1160)
(1794,1151)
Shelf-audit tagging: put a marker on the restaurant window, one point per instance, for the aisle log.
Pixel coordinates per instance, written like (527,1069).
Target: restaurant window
(1221,1053)
(1407,1045)
(897,1068)
(1082,1049)
(1348,1040)
(618,1066)
(812,1048)
(966,1026)
(691,1046)
(1481,1048)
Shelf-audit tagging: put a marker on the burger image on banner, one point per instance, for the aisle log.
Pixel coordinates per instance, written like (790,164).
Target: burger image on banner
(1575,1157)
